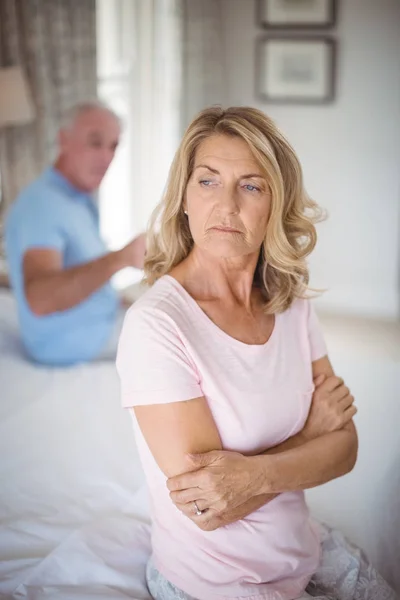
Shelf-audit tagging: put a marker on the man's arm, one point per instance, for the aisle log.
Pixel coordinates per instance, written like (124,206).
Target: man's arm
(50,288)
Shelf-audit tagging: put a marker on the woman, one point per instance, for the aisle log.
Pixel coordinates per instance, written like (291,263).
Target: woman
(225,368)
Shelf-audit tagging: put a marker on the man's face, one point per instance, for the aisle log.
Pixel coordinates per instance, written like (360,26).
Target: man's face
(88,147)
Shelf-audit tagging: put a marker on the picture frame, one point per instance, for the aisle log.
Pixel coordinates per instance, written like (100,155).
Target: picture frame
(296,14)
(295,70)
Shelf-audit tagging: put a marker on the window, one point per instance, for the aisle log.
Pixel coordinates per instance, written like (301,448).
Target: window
(139,76)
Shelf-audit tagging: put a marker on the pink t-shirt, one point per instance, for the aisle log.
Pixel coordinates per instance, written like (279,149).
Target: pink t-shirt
(259,395)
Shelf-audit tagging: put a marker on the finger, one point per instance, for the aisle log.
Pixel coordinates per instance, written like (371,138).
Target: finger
(350,413)
(200,503)
(184,482)
(184,496)
(331,383)
(186,509)
(346,402)
(202,460)
(189,509)
(319,379)
(196,462)
(339,393)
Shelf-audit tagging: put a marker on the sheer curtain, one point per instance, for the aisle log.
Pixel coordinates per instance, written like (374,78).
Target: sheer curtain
(159,63)
(139,46)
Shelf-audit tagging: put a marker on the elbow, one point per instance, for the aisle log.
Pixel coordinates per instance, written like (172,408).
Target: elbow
(38,310)
(353,458)
(37,305)
(352,454)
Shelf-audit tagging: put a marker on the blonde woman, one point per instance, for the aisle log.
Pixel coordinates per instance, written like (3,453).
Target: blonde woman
(236,406)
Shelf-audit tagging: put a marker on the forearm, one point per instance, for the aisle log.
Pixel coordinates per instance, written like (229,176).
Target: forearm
(61,290)
(256,502)
(293,442)
(305,465)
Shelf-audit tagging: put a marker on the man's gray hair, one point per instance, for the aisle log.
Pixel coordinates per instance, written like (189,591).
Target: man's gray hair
(71,114)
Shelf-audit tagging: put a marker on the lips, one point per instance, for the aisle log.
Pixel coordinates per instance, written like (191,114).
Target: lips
(225,229)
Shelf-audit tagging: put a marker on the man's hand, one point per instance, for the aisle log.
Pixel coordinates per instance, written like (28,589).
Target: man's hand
(133,253)
(222,482)
(331,408)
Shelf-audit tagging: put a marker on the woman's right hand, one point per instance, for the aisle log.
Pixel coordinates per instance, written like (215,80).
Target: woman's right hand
(331,407)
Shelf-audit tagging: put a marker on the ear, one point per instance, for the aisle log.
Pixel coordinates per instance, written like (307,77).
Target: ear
(184,201)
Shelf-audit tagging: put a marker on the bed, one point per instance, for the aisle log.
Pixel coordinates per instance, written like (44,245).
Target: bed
(73,506)
(73,510)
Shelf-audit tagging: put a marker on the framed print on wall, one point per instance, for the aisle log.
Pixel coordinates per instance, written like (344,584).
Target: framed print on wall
(295,70)
(290,14)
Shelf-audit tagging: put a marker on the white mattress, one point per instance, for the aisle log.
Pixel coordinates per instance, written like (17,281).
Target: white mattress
(73,510)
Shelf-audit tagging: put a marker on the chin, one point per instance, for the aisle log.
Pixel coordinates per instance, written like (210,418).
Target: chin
(92,184)
(225,249)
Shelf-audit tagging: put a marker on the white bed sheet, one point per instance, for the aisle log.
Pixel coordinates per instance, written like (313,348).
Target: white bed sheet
(73,507)
(73,510)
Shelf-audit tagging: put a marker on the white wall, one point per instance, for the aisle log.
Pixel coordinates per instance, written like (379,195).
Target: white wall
(365,504)
(350,150)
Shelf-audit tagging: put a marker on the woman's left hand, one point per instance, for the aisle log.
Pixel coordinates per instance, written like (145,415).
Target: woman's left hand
(223,480)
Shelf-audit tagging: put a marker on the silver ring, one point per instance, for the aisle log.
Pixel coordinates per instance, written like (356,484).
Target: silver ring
(198,511)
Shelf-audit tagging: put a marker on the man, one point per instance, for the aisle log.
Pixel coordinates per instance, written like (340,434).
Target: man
(59,266)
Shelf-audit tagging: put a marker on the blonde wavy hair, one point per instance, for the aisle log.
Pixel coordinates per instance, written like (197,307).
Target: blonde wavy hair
(281,272)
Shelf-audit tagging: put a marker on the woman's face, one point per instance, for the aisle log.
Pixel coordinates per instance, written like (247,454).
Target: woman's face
(227,198)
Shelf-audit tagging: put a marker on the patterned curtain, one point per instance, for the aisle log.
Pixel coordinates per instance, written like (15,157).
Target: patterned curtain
(54,41)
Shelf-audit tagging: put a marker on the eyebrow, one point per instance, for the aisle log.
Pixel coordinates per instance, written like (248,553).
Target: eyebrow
(97,135)
(94,134)
(246,176)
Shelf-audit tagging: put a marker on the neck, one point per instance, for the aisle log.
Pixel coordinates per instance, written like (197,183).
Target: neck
(62,167)
(231,281)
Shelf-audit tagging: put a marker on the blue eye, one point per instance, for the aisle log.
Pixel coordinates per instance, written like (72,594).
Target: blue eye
(251,188)
(205,182)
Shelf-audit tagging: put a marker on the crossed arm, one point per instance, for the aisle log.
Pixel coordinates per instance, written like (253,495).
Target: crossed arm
(236,485)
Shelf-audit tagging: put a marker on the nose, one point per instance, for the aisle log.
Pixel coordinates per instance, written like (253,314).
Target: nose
(229,201)
(106,157)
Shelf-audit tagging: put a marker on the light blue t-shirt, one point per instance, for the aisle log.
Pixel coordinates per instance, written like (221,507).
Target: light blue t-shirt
(52,213)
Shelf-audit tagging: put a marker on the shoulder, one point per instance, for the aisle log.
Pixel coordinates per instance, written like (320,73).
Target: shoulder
(299,310)
(162,309)
(302,320)
(38,199)
(153,333)
(301,315)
